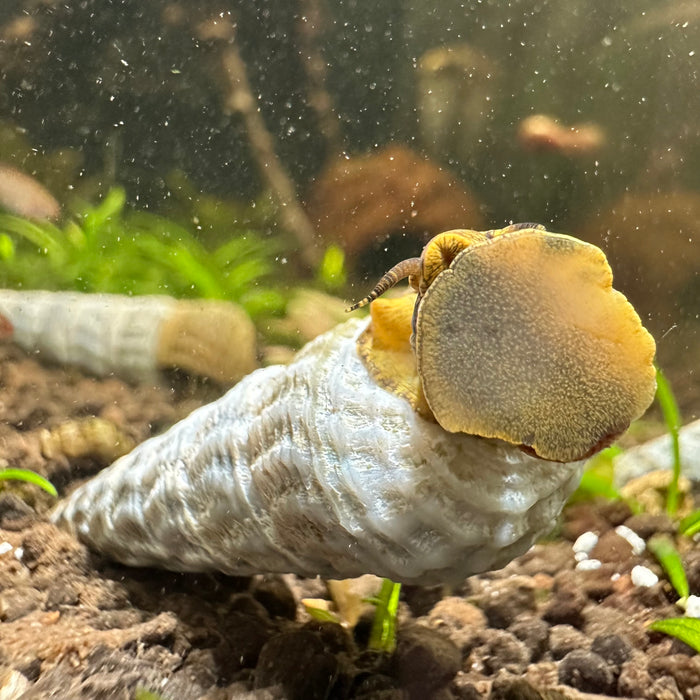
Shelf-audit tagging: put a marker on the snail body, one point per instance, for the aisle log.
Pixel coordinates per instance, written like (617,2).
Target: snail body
(370,453)
(314,469)
(132,337)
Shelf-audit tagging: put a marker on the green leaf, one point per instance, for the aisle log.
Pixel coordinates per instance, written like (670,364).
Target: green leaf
(321,615)
(665,551)
(672,418)
(690,525)
(597,480)
(30,477)
(687,629)
(383,634)
(332,272)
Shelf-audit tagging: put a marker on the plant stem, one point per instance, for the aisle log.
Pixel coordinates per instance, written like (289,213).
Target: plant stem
(383,634)
(672,418)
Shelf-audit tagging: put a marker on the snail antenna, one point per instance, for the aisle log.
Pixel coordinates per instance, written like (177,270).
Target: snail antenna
(405,268)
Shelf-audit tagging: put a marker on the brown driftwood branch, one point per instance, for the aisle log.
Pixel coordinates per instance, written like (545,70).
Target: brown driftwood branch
(240,99)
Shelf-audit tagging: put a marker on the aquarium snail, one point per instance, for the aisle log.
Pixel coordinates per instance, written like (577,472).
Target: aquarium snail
(338,465)
(133,337)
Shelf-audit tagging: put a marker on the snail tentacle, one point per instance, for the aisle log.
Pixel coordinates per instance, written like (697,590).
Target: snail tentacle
(410,268)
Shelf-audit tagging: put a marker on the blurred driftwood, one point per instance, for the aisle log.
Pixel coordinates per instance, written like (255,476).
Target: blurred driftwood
(240,99)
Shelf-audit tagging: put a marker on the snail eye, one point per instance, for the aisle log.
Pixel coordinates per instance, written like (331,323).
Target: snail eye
(523,338)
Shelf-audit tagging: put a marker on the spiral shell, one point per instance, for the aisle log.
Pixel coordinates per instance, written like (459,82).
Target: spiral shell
(132,337)
(315,469)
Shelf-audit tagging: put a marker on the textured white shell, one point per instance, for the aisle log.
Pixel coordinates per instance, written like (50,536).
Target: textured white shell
(314,469)
(102,333)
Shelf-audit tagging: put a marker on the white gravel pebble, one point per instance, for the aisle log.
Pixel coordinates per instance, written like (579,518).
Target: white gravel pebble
(19,553)
(643,577)
(5,547)
(588,565)
(584,543)
(638,544)
(692,606)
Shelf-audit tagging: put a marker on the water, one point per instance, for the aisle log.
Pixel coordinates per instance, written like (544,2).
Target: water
(576,114)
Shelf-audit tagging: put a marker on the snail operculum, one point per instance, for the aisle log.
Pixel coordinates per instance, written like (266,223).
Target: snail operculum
(519,335)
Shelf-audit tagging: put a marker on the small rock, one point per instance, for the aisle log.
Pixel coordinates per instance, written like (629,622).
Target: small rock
(585,542)
(615,512)
(567,604)
(297,662)
(12,684)
(18,602)
(612,547)
(634,680)
(598,584)
(275,595)
(580,518)
(62,593)
(533,632)
(613,648)
(648,524)
(459,619)
(664,688)
(503,600)
(588,565)
(15,514)
(636,542)
(564,639)
(684,669)
(425,661)
(586,671)
(643,577)
(692,606)
(503,650)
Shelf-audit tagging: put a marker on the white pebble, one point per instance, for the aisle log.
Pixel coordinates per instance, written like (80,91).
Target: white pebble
(643,577)
(638,544)
(5,547)
(692,606)
(584,543)
(588,565)
(19,553)
(580,556)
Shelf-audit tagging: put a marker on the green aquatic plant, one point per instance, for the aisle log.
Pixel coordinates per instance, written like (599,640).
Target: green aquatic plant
(672,418)
(29,477)
(663,548)
(687,629)
(106,248)
(383,634)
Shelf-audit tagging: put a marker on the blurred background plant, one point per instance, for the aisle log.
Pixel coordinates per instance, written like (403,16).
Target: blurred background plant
(108,248)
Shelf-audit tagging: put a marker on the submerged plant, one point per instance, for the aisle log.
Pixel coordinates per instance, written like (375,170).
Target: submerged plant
(108,249)
(669,409)
(29,477)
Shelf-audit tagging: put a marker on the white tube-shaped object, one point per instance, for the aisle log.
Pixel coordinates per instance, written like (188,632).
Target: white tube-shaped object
(314,469)
(133,337)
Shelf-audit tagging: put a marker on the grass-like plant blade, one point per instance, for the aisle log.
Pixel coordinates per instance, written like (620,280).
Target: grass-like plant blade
(30,477)
(687,629)
(690,525)
(672,418)
(383,634)
(665,551)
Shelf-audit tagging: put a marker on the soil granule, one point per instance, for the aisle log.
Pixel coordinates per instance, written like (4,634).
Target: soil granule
(75,625)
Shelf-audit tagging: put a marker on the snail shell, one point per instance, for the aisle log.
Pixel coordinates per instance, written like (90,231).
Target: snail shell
(315,469)
(132,337)
(356,459)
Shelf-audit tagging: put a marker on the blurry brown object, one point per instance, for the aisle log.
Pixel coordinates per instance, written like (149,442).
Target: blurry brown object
(651,240)
(543,133)
(358,200)
(240,100)
(22,195)
(309,313)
